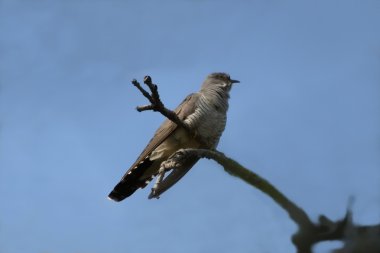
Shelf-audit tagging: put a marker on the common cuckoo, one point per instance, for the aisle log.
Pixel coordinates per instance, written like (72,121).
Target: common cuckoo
(204,113)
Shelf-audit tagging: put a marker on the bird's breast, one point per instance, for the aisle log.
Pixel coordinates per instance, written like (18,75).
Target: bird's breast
(208,120)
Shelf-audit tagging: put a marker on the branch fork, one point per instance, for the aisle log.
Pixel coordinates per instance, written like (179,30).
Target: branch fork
(155,102)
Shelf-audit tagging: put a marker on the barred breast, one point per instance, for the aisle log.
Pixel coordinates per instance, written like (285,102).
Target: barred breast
(209,118)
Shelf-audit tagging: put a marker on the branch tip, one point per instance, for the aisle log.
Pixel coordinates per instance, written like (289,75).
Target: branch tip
(147,80)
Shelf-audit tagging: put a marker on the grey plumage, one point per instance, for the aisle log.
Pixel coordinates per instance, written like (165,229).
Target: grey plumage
(203,112)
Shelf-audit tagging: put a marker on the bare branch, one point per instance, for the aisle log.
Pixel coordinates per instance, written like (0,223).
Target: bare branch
(156,103)
(308,233)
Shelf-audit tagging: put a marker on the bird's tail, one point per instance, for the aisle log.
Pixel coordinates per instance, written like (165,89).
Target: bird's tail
(134,179)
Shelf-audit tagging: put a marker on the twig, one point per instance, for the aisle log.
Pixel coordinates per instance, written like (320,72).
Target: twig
(155,102)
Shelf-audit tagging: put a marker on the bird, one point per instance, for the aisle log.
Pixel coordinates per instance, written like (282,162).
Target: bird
(204,113)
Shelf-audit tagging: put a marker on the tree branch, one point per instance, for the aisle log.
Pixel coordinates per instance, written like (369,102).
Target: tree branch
(155,102)
(308,233)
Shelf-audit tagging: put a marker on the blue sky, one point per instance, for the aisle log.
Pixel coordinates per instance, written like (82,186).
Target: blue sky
(305,116)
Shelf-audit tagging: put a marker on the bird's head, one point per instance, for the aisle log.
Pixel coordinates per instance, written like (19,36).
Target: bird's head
(218,81)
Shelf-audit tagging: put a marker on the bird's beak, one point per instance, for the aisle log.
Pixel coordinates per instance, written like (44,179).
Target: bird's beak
(235,81)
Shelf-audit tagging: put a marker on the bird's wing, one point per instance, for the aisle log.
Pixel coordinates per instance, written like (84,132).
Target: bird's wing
(186,108)
(131,181)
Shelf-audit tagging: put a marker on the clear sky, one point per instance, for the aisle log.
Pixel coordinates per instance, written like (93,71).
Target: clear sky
(306,116)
